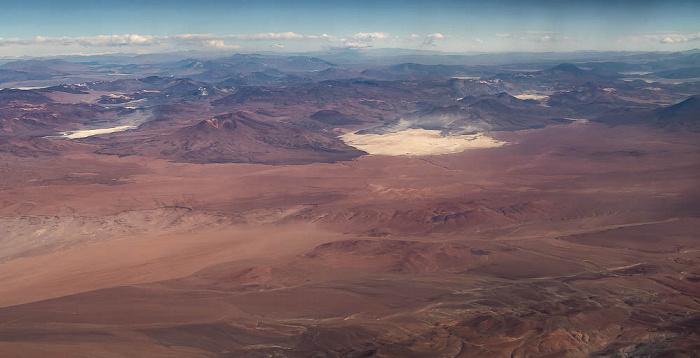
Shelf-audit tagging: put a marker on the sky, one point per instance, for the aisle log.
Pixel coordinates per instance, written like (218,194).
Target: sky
(55,27)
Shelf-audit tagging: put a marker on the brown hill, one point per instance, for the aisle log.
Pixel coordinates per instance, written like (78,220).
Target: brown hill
(239,138)
(9,96)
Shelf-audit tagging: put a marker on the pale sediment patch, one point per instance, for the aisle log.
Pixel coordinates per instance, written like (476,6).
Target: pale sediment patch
(636,73)
(91,132)
(536,97)
(417,142)
(28,88)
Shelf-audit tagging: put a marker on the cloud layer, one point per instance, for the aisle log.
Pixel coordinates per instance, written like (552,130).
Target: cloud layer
(279,40)
(534,36)
(673,38)
(230,41)
(530,40)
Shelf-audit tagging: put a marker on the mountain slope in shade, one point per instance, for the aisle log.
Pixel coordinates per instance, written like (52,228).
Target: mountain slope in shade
(500,112)
(692,72)
(678,117)
(9,96)
(238,138)
(335,118)
(684,115)
(565,68)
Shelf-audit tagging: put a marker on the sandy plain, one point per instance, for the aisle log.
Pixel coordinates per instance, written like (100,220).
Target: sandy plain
(576,240)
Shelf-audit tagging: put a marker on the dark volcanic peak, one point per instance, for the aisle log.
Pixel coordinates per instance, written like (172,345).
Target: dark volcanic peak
(683,116)
(690,104)
(238,138)
(491,105)
(566,74)
(683,113)
(566,67)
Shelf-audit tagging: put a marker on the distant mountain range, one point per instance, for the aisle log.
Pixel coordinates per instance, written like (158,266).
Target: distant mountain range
(246,107)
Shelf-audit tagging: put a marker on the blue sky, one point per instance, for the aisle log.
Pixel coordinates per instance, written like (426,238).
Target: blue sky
(60,27)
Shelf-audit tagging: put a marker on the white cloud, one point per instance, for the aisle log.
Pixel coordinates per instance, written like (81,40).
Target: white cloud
(194,36)
(672,38)
(371,35)
(478,40)
(269,36)
(149,40)
(552,38)
(534,36)
(322,37)
(533,32)
(12,41)
(431,39)
(209,40)
(118,40)
(356,44)
(157,43)
(101,40)
(220,45)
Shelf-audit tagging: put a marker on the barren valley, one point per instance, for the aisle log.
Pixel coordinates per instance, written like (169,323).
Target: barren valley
(293,215)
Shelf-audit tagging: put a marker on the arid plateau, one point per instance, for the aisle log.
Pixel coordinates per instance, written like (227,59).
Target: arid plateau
(272,206)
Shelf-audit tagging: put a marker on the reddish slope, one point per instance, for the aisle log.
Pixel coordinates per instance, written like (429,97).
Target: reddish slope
(238,138)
